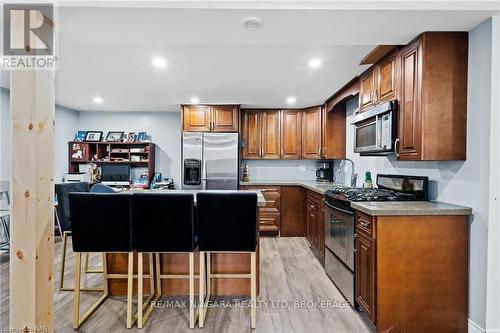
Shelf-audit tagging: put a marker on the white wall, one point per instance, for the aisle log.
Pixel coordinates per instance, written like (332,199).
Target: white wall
(459,182)
(163,127)
(493,274)
(281,169)
(66,125)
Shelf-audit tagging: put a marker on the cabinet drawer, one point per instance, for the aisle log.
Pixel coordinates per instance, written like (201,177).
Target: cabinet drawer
(272,194)
(364,224)
(315,198)
(269,223)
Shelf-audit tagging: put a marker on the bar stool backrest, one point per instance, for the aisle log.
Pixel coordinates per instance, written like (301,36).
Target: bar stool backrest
(227,221)
(102,188)
(62,191)
(163,222)
(101,222)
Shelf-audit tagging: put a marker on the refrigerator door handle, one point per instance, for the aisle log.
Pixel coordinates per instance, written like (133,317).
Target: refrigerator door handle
(204,170)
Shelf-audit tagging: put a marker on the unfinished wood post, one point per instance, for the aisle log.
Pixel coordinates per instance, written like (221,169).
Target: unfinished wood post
(32,235)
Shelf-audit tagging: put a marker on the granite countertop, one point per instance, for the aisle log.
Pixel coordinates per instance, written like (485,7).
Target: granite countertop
(261,201)
(318,187)
(409,208)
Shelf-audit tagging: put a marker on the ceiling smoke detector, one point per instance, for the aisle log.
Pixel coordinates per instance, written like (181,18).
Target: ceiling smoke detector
(252,23)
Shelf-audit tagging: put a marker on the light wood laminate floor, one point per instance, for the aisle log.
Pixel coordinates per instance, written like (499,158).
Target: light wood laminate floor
(289,275)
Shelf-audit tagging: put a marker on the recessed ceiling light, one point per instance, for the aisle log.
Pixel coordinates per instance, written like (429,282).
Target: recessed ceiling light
(315,63)
(97,100)
(195,100)
(159,62)
(252,23)
(291,100)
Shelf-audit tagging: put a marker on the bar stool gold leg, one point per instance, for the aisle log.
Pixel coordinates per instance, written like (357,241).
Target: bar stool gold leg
(130,286)
(140,296)
(63,261)
(76,297)
(191,290)
(201,318)
(253,289)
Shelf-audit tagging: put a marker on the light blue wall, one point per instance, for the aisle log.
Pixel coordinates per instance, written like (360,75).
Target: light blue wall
(163,127)
(66,125)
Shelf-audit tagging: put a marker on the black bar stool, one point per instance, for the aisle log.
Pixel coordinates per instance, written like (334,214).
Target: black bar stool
(227,223)
(63,219)
(101,223)
(164,223)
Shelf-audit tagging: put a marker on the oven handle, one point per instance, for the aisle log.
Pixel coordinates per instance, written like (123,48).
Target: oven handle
(339,209)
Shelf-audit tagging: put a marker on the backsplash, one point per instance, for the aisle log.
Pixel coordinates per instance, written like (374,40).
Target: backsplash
(281,169)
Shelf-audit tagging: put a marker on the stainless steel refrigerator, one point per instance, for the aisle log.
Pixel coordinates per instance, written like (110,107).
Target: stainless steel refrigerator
(209,161)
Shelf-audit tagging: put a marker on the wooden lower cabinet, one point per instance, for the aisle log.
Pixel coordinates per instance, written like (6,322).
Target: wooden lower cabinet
(270,214)
(412,272)
(315,224)
(293,211)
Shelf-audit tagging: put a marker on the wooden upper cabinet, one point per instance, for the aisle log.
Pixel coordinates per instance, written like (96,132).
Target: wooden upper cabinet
(251,134)
(210,118)
(333,134)
(387,78)
(432,114)
(291,134)
(225,118)
(311,133)
(270,134)
(196,118)
(366,90)
(409,130)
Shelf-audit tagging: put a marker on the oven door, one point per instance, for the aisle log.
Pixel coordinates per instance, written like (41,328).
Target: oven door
(366,134)
(339,233)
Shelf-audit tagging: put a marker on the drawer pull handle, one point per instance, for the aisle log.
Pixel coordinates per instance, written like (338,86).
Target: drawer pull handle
(364,224)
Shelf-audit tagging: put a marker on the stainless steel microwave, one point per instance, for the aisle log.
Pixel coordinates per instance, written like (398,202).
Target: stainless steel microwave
(375,130)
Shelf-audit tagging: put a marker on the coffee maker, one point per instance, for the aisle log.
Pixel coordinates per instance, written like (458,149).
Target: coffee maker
(324,171)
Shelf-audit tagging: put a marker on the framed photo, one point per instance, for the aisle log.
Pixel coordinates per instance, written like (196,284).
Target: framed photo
(132,137)
(80,136)
(114,136)
(93,136)
(141,137)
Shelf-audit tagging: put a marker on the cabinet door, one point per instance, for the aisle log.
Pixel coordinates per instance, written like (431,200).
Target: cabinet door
(366,90)
(387,78)
(409,126)
(225,118)
(333,132)
(291,134)
(365,274)
(270,129)
(311,133)
(310,222)
(251,134)
(196,118)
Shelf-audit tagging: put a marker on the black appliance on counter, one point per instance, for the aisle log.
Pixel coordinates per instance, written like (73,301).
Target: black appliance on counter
(324,171)
(340,227)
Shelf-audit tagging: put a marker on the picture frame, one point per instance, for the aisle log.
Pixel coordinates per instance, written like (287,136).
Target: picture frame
(93,136)
(80,136)
(114,136)
(141,137)
(132,137)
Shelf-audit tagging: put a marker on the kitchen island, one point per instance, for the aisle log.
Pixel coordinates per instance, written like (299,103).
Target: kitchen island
(177,263)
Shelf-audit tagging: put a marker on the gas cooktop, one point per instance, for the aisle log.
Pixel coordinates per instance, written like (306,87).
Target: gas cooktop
(390,188)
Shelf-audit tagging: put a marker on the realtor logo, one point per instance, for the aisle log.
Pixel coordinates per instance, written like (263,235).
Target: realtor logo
(28,36)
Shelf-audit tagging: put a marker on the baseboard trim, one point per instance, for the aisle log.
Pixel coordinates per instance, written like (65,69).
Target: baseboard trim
(475,328)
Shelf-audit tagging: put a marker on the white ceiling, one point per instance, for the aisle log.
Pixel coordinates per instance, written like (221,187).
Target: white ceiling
(107,51)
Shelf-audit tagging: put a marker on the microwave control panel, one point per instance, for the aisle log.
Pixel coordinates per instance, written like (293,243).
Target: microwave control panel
(386,131)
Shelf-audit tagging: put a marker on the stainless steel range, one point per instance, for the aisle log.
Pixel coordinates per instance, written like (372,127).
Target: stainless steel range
(339,222)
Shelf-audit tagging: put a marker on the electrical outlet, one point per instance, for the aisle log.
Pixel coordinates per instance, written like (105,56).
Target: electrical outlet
(302,167)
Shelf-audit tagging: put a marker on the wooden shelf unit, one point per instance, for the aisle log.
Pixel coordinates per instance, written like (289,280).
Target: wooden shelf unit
(102,153)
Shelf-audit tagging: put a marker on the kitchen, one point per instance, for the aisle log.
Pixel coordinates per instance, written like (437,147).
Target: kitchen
(401,144)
